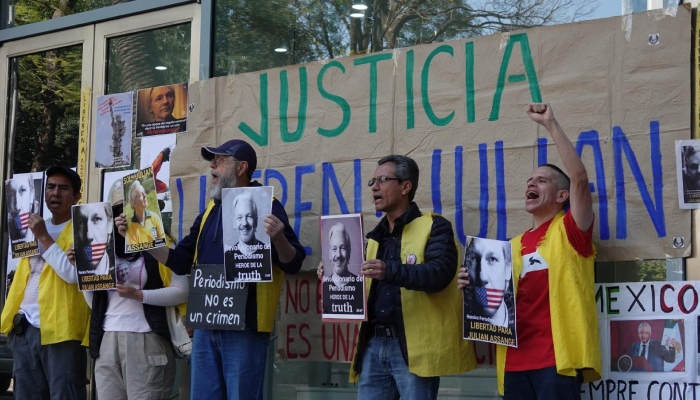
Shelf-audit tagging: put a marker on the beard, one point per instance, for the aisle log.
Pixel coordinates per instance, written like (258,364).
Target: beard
(225,182)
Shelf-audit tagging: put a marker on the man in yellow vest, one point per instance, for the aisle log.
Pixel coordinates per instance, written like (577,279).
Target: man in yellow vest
(229,364)
(414,330)
(556,319)
(45,316)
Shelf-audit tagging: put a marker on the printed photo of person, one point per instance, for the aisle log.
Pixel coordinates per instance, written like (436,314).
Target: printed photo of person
(23,195)
(23,199)
(342,244)
(647,345)
(490,268)
(248,255)
(688,172)
(94,243)
(144,228)
(162,109)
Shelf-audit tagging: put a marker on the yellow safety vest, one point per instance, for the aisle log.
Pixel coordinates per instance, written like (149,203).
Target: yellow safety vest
(432,322)
(62,308)
(571,304)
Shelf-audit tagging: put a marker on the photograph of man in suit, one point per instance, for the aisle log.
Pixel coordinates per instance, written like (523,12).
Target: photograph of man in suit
(652,350)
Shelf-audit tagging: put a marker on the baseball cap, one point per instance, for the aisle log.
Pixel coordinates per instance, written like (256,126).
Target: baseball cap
(72,175)
(237,148)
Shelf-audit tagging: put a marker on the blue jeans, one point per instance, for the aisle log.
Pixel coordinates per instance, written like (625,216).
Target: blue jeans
(385,375)
(228,364)
(542,384)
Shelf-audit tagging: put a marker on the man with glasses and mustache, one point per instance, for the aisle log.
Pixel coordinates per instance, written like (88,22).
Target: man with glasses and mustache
(229,364)
(414,328)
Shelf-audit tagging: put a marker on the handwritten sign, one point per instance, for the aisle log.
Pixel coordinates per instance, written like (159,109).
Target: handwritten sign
(214,302)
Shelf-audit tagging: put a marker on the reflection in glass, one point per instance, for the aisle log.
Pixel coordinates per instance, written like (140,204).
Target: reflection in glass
(250,35)
(27,12)
(44,109)
(147,59)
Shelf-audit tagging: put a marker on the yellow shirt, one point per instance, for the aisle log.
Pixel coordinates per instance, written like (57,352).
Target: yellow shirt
(149,231)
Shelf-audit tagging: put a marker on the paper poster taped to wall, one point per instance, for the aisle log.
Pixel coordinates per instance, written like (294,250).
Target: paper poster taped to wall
(113,130)
(161,109)
(155,152)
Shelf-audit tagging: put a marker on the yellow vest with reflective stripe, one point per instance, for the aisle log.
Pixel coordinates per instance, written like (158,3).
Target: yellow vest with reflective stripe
(571,303)
(267,294)
(432,322)
(63,312)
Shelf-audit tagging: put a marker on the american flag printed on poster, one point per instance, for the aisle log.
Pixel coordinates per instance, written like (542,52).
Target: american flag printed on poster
(22,221)
(94,251)
(490,298)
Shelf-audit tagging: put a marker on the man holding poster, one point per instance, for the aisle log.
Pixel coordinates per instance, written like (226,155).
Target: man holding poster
(414,318)
(231,363)
(45,316)
(557,325)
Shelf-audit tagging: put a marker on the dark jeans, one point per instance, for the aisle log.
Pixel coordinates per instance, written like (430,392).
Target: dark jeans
(542,384)
(55,371)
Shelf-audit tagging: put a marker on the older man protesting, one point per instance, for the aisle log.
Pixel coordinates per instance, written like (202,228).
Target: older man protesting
(228,364)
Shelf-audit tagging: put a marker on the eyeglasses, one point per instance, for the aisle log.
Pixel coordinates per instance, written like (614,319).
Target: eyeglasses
(219,159)
(382,179)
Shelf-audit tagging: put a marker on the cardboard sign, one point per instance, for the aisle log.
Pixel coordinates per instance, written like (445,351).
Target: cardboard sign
(214,302)
(458,108)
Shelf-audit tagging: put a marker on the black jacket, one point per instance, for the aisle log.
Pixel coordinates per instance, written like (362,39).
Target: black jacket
(155,315)
(434,275)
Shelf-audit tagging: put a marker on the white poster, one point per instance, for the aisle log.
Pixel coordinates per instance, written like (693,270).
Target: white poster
(113,130)
(155,152)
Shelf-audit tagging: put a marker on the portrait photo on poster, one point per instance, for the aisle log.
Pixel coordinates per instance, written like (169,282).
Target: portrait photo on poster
(647,345)
(155,153)
(144,229)
(93,241)
(161,110)
(247,250)
(489,303)
(342,254)
(688,173)
(23,194)
(113,130)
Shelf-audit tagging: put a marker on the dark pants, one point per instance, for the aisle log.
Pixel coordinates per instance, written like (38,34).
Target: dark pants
(54,371)
(542,384)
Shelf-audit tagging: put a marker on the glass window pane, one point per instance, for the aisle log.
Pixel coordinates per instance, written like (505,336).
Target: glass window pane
(146,59)
(252,35)
(27,12)
(640,271)
(44,110)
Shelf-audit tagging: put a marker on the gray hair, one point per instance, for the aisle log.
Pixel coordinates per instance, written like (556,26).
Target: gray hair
(132,190)
(339,228)
(405,169)
(246,196)
(643,324)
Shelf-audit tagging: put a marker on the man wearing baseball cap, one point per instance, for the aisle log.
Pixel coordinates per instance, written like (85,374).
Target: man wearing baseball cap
(45,316)
(229,364)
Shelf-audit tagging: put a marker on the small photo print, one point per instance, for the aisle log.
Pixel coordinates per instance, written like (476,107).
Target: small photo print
(161,110)
(647,345)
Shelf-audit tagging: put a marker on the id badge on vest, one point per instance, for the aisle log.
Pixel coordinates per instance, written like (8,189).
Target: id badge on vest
(214,302)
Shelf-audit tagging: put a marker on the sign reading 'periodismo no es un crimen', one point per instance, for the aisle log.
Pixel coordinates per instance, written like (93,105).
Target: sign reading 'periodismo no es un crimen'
(214,302)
